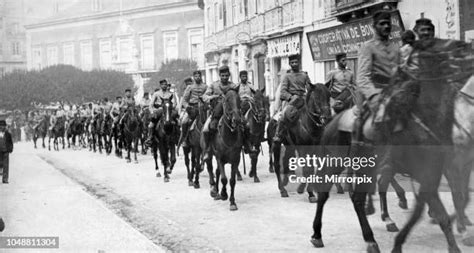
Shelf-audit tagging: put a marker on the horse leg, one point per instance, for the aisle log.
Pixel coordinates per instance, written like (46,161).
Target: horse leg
(213,179)
(316,238)
(253,169)
(44,137)
(234,169)
(221,168)
(196,165)
(186,151)
(172,157)
(276,155)
(155,158)
(128,147)
(402,200)
(383,182)
(358,200)
(49,143)
(270,156)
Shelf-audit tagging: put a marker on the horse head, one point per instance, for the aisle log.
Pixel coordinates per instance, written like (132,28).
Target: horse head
(317,104)
(231,106)
(258,106)
(167,105)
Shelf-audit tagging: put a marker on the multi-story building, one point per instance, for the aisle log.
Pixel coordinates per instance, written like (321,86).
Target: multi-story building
(132,36)
(14,14)
(253,35)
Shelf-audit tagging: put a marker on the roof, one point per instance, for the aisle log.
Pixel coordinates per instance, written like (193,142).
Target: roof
(82,9)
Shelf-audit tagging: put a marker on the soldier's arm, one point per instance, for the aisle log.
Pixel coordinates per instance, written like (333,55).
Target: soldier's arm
(208,95)
(284,92)
(329,80)
(364,79)
(186,97)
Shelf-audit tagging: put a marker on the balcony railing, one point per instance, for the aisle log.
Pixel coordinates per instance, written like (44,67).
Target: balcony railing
(275,20)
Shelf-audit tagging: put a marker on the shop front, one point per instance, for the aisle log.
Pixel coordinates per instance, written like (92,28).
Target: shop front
(346,38)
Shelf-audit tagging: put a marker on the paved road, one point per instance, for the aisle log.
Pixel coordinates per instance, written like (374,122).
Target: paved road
(178,217)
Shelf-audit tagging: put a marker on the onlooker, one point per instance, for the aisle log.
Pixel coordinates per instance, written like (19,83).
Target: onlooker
(6,147)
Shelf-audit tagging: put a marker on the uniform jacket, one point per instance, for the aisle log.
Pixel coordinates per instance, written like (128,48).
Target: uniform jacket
(294,83)
(246,91)
(217,88)
(158,95)
(192,94)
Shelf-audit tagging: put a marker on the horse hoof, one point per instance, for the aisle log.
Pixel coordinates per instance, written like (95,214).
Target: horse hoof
(271,170)
(224,196)
(190,183)
(468,240)
(166,180)
(373,247)
(256,179)
(158,174)
(217,197)
(300,189)
(392,227)
(129,161)
(403,204)
(213,193)
(197,186)
(313,199)
(233,207)
(136,161)
(251,174)
(369,210)
(318,243)
(284,194)
(239,177)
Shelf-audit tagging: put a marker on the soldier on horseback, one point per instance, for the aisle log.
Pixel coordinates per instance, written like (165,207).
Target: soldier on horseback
(190,103)
(338,81)
(115,111)
(246,92)
(157,108)
(293,89)
(127,103)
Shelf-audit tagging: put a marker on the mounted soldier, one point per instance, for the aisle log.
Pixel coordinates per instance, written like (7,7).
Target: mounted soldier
(157,110)
(246,92)
(293,90)
(340,83)
(115,111)
(128,103)
(190,103)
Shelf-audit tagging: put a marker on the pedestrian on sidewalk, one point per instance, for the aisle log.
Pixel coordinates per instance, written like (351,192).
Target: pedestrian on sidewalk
(6,147)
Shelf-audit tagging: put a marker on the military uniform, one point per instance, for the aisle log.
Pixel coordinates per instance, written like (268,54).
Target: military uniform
(157,110)
(190,102)
(246,95)
(293,89)
(6,147)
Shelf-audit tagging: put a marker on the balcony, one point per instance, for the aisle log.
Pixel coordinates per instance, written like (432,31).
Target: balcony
(281,18)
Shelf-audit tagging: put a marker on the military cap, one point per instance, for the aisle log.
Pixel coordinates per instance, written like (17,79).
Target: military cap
(243,72)
(189,79)
(224,69)
(294,57)
(146,94)
(128,89)
(163,81)
(340,55)
(197,72)
(423,21)
(381,15)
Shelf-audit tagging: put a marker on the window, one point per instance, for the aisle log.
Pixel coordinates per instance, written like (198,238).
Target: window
(216,20)
(37,58)
(52,56)
(105,48)
(124,49)
(196,46)
(86,55)
(147,52)
(170,45)
(15,48)
(224,12)
(68,54)
(96,5)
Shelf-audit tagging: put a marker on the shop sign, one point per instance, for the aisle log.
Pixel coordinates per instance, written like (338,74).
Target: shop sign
(284,46)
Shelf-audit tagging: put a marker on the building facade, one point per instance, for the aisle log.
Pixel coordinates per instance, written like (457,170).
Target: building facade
(131,36)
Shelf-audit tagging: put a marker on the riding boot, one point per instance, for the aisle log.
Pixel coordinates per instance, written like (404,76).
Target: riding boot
(280,131)
(184,134)
(149,139)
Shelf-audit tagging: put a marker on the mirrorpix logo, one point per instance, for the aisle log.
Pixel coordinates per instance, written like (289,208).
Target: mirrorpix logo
(319,163)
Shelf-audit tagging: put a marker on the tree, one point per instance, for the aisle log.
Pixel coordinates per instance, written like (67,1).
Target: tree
(175,71)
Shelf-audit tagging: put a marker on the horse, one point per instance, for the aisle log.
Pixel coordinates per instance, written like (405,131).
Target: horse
(131,133)
(40,131)
(58,131)
(95,133)
(256,119)
(226,145)
(302,135)
(194,146)
(417,131)
(166,135)
(106,133)
(76,129)
(145,120)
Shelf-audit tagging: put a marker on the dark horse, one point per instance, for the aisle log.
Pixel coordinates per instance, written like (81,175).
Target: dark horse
(131,133)
(106,133)
(166,139)
(226,145)
(256,119)
(41,130)
(422,150)
(194,145)
(95,133)
(302,135)
(76,129)
(57,132)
